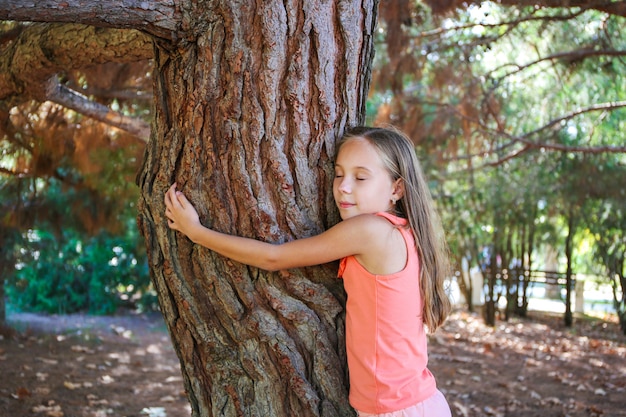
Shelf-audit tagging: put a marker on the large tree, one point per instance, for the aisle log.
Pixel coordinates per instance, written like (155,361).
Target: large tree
(248,101)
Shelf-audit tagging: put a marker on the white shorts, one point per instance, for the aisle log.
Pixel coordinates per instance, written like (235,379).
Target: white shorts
(434,406)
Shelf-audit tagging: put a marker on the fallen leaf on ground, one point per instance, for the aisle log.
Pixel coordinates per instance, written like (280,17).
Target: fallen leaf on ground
(21,393)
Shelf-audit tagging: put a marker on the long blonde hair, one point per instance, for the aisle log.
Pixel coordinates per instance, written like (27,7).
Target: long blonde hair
(398,154)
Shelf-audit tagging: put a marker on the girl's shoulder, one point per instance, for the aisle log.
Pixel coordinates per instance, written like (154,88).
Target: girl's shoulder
(377,222)
(370,223)
(364,231)
(368,233)
(384,247)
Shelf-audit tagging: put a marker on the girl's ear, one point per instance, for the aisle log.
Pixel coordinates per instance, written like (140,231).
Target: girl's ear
(397,190)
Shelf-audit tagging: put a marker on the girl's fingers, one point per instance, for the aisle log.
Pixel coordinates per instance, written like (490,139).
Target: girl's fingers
(171,204)
(171,197)
(167,198)
(181,199)
(178,210)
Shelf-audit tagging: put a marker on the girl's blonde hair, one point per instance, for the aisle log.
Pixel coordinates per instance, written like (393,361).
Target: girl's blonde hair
(398,154)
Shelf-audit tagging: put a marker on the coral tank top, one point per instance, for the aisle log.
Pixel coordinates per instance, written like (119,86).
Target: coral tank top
(385,335)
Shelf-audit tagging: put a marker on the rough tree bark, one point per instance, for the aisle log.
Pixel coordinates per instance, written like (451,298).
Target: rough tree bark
(247,112)
(249,99)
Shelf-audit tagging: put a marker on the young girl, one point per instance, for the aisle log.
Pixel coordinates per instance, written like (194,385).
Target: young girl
(393,263)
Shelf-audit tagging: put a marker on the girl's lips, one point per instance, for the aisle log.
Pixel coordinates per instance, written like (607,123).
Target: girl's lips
(345,205)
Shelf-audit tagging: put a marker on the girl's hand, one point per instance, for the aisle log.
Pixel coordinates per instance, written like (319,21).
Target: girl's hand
(181,215)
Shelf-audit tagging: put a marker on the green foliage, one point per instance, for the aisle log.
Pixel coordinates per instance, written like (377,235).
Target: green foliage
(518,114)
(73,273)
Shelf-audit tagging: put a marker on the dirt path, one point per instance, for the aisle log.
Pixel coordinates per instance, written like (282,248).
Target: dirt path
(83,366)
(90,367)
(531,368)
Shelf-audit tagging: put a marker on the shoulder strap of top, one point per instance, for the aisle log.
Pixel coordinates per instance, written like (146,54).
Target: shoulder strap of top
(395,220)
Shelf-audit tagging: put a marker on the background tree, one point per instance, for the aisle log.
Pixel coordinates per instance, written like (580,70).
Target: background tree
(611,247)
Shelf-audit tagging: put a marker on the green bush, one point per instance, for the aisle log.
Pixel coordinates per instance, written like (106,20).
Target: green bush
(73,273)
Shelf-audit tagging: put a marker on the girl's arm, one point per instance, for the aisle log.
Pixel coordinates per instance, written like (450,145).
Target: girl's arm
(350,237)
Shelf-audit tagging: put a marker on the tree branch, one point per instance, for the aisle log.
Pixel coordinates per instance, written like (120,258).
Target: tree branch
(438,32)
(510,156)
(11,173)
(596,107)
(136,94)
(617,8)
(527,144)
(41,51)
(155,17)
(71,99)
(569,56)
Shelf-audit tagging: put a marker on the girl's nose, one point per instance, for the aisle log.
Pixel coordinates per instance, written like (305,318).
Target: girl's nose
(345,186)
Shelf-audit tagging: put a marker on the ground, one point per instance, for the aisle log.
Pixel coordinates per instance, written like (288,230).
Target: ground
(83,366)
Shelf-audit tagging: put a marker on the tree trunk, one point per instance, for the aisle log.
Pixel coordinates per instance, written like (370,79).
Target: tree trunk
(531,247)
(491,303)
(619,302)
(495,269)
(520,278)
(248,108)
(507,256)
(568,318)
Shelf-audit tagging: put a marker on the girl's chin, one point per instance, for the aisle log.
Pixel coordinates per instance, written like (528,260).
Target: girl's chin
(345,214)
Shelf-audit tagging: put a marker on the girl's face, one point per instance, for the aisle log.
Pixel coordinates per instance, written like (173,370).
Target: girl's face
(362,183)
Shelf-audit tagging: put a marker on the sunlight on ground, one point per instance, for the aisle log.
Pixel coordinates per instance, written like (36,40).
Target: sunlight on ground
(161,412)
(154,412)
